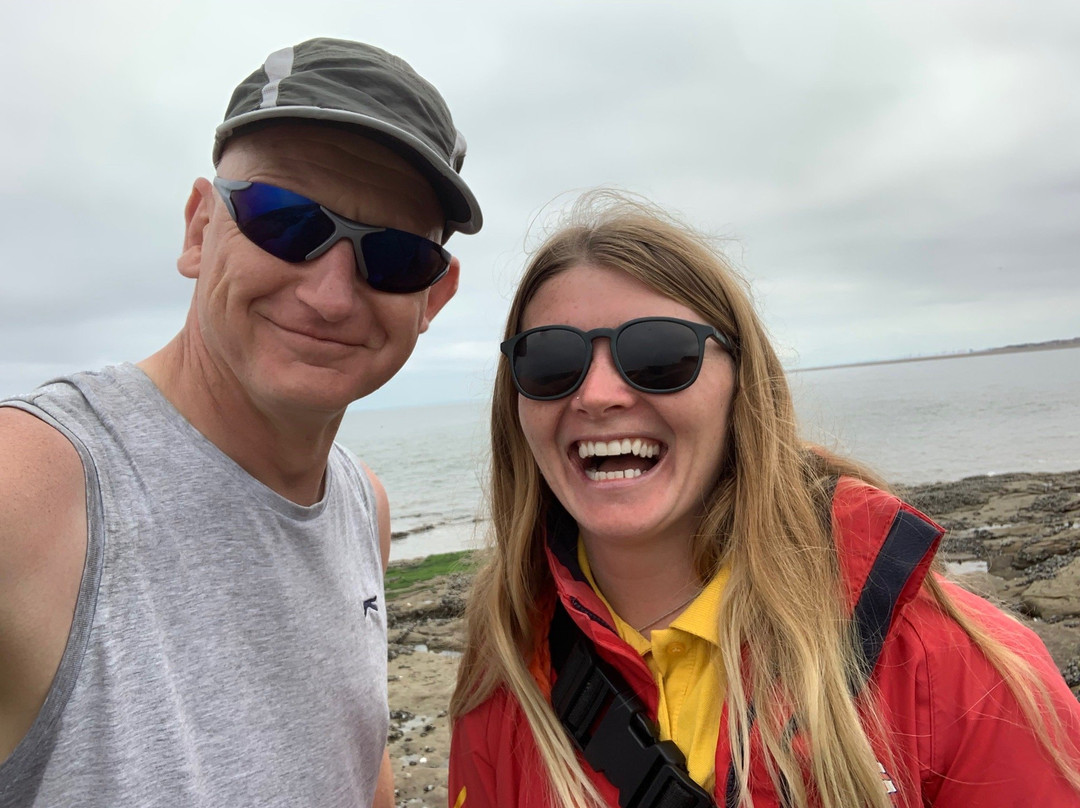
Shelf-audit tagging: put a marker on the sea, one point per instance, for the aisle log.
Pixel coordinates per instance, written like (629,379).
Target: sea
(913,422)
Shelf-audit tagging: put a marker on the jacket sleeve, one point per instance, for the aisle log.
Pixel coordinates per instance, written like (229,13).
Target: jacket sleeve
(980,749)
(472,779)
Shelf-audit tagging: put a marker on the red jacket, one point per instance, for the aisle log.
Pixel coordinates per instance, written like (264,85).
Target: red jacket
(958,739)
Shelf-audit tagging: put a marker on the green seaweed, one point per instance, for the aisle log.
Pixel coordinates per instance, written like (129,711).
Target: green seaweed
(403,574)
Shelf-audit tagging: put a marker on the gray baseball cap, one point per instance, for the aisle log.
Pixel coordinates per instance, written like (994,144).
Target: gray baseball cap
(361,86)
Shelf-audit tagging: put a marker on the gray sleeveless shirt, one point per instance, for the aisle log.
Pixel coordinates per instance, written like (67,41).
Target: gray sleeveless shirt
(228,646)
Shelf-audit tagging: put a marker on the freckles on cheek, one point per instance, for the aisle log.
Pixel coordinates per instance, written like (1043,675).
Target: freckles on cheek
(525,422)
(531,428)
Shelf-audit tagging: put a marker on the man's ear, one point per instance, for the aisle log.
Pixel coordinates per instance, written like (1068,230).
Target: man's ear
(196,218)
(441,292)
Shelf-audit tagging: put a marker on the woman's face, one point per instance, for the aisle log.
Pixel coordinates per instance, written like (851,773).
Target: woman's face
(686,431)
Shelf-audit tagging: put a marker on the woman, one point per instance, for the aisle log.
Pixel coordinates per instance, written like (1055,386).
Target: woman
(772,610)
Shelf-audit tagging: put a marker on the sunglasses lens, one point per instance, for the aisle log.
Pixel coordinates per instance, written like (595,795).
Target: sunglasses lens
(547,364)
(401,262)
(291,227)
(660,355)
(286,225)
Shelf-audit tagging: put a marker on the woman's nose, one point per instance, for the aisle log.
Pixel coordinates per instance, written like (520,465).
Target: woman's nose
(603,386)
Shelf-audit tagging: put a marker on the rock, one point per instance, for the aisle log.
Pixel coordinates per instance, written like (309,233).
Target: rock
(1038,551)
(1059,502)
(944,498)
(1071,672)
(1057,596)
(1004,566)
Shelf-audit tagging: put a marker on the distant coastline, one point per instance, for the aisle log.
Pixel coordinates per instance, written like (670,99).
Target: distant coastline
(1050,345)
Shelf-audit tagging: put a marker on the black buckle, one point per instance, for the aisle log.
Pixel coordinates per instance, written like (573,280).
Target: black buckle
(611,727)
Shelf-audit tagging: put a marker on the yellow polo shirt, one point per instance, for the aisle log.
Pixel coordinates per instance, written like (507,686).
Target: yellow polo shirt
(685,662)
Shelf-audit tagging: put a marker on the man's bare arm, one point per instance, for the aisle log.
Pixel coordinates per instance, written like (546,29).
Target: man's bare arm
(382,513)
(42,553)
(384,789)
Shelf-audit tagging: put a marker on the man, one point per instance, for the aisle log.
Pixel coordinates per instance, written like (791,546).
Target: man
(190,569)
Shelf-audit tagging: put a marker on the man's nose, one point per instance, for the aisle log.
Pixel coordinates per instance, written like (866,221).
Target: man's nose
(328,284)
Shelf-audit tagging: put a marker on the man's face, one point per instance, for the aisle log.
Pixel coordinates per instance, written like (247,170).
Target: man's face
(312,336)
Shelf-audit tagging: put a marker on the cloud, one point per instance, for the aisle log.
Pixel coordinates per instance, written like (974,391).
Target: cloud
(897,178)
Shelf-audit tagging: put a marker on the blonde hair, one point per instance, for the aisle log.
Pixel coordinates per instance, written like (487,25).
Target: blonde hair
(784,635)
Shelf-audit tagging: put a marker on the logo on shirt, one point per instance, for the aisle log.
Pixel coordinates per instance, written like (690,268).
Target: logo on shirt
(371,604)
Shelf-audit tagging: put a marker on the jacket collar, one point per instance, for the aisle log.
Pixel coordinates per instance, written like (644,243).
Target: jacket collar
(585,607)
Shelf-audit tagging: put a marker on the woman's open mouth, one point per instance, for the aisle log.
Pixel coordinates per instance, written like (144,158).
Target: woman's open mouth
(621,459)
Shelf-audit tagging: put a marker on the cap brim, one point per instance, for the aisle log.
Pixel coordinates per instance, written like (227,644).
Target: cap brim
(462,210)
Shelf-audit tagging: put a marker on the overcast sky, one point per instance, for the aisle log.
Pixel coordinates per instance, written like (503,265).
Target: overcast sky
(895,178)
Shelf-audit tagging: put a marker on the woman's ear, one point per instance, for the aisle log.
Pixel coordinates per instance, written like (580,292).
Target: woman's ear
(196,219)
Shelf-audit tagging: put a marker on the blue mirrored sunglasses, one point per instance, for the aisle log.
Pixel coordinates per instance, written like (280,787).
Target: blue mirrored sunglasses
(296,229)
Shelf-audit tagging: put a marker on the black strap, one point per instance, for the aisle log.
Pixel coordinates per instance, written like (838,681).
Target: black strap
(610,726)
(910,539)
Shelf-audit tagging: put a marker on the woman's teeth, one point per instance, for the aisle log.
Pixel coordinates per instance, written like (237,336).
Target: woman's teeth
(592,474)
(613,448)
(613,459)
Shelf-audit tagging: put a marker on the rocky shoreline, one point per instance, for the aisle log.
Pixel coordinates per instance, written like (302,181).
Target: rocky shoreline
(1014,538)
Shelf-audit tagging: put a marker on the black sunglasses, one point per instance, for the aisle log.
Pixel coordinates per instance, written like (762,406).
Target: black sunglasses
(652,354)
(296,229)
